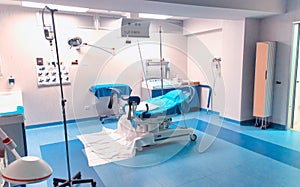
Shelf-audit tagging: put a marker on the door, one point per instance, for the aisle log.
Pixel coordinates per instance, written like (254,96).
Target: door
(296,115)
(260,79)
(294,92)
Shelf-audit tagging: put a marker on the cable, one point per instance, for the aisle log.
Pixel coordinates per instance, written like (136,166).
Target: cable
(214,78)
(143,68)
(215,65)
(102,48)
(161,61)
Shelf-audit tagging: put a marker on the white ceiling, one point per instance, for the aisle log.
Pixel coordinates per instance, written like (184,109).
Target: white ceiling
(215,9)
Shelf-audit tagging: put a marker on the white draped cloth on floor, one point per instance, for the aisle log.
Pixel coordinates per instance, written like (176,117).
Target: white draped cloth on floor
(110,145)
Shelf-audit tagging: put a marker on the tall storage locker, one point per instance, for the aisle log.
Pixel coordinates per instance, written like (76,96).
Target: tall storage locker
(263,84)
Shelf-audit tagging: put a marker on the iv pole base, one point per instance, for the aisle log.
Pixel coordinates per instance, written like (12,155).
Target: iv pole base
(76,179)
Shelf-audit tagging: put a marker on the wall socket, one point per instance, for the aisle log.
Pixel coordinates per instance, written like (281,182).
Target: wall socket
(86,107)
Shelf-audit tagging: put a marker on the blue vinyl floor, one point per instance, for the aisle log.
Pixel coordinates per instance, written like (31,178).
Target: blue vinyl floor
(238,156)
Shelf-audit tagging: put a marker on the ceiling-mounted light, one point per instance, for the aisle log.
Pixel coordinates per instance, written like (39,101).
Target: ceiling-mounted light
(77,42)
(154,16)
(54,6)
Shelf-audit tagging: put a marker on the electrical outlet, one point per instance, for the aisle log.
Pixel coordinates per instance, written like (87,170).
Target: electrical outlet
(86,107)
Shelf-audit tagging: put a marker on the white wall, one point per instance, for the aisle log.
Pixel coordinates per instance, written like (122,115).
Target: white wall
(201,26)
(225,39)
(125,67)
(252,28)
(279,29)
(205,39)
(22,41)
(232,66)
(238,61)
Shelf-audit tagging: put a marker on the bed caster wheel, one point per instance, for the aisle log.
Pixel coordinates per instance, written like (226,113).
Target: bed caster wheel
(55,183)
(139,148)
(94,184)
(193,137)
(263,127)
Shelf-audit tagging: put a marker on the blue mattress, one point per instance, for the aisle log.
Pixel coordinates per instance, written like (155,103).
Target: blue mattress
(171,103)
(104,90)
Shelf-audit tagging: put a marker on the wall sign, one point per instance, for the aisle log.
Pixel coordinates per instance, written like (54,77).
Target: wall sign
(47,75)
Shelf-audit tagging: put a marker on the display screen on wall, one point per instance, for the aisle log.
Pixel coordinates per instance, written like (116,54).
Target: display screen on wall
(135,28)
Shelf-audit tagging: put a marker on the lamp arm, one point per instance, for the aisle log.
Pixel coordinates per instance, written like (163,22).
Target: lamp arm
(9,143)
(110,52)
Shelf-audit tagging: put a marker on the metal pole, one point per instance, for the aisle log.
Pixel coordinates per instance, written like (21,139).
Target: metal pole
(63,100)
(161,63)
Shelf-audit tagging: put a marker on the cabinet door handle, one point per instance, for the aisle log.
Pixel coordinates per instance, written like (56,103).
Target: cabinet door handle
(266,74)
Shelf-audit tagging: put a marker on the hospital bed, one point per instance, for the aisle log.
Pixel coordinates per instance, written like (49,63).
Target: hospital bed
(151,120)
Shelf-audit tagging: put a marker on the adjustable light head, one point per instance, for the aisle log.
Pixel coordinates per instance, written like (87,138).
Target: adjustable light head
(25,170)
(28,169)
(75,41)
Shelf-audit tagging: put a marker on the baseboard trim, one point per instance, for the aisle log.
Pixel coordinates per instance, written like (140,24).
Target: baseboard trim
(279,126)
(58,123)
(251,122)
(209,111)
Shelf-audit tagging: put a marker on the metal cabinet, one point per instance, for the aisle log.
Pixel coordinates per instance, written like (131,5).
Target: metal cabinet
(264,80)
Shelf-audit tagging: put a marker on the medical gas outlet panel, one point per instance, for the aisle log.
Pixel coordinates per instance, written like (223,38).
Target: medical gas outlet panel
(47,74)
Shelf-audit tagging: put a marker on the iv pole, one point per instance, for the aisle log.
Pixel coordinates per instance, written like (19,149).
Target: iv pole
(76,179)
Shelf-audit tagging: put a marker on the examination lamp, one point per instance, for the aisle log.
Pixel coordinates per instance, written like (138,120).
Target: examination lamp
(23,170)
(77,42)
